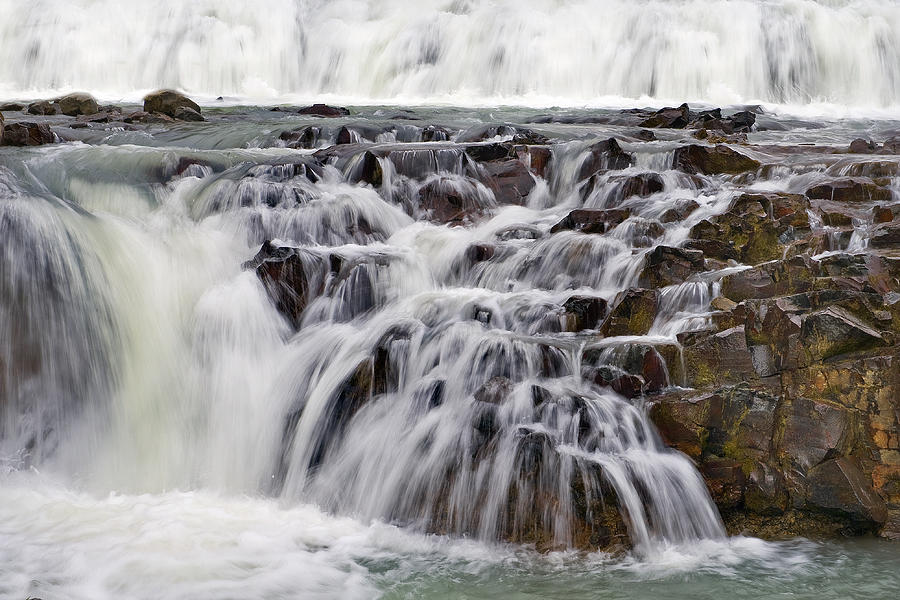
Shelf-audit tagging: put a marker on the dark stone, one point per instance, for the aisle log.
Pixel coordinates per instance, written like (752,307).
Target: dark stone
(12,107)
(834,331)
(510,180)
(665,265)
(775,278)
(184,113)
(43,107)
(850,189)
(27,134)
(861,146)
(633,313)
(583,312)
(671,118)
(77,104)
(323,110)
(168,102)
(451,200)
(602,156)
(710,160)
(305,137)
(494,391)
(591,220)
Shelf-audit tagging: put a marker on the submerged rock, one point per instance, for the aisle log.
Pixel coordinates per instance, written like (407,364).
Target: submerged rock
(850,189)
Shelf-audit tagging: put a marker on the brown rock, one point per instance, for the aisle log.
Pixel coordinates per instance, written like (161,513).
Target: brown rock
(633,313)
(716,160)
(323,110)
(850,189)
(77,104)
(168,102)
(27,134)
(665,265)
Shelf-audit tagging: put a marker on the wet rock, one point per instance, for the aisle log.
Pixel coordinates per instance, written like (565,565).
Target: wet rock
(510,180)
(167,102)
(583,312)
(834,331)
(770,279)
(43,107)
(452,200)
(680,211)
(716,160)
(495,391)
(27,134)
(11,107)
(839,485)
(666,265)
(591,220)
(643,185)
(324,110)
(633,313)
(77,104)
(489,152)
(886,236)
(537,158)
(645,135)
(850,189)
(184,113)
(671,118)
(292,278)
(602,156)
(861,146)
(891,145)
(477,253)
(715,358)
(435,133)
(304,137)
(882,214)
(756,227)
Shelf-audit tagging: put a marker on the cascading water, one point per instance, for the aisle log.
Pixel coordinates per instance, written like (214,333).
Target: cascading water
(460,51)
(418,390)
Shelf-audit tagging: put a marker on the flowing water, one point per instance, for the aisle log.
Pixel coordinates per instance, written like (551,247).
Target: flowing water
(428,425)
(167,432)
(839,52)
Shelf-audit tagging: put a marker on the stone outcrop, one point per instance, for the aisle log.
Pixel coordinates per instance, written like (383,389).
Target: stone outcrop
(713,160)
(73,105)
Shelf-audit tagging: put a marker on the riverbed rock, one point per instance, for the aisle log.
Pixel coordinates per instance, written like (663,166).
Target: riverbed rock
(770,279)
(666,265)
(670,118)
(583,312)
(603,156)
(633,312)
(77,104)
(43,107)
(27,134)
(850,189)
(713,160)
(591,220)
(324,110)
(168,102)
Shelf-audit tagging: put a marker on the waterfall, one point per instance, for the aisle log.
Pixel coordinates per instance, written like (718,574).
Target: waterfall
(462,52)
(143,352)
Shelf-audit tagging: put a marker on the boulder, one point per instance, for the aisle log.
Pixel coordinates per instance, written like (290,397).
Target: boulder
(185,113)
(583,312)
(633,313)
(452,200)
(27,134)
(323,110)
(671,118)
(12,107)
(292,277)
(665,265)
(840,486)
(495,391)
(510,180)
(43,107)
(603,156)
(77,104)
(681,210)
(709,160)
(168,102)
(886,235)
(861,146)
(850,189)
